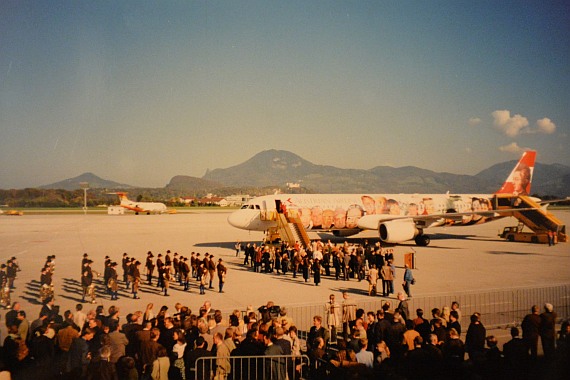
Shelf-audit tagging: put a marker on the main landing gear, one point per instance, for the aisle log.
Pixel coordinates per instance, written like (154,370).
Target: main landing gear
(422,240)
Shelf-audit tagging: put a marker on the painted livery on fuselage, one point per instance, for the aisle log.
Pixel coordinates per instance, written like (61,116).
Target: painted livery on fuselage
(397,217)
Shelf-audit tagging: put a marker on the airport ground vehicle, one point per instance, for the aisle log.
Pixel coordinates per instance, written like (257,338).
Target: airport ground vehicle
(516,233)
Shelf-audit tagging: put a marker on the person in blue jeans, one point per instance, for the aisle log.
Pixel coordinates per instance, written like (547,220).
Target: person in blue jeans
(408,281)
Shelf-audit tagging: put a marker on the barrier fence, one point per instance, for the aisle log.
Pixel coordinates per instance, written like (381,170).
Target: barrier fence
(498,307)
(266,367)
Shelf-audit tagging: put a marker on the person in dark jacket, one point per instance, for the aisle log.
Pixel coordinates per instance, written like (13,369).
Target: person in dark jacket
(79,355)
(531,331)
(548,331)
(516,356)
(475,339)
(102,369)
(199,369)
(317,272)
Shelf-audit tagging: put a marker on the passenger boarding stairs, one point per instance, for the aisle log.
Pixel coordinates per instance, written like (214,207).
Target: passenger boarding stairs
(531,215)
(291,230)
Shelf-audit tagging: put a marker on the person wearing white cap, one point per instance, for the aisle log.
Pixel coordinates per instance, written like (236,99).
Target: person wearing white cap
(548,330)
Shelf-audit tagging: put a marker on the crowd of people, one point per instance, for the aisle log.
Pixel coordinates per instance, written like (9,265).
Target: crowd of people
(170,269)
(393,344)
(345,342)
(370,262)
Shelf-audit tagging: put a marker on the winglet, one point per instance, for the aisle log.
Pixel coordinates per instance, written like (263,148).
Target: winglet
(520,179)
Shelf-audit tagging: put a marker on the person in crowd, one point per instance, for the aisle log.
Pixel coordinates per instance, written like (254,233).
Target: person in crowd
(364,356)
(408,280)
(348,313)
(317,331)
(516,356)
(222,272)
(548,331)
(475,339)
(223,367)
(531,330)
(87,282)
(195,368)
(372,278)
(160,366)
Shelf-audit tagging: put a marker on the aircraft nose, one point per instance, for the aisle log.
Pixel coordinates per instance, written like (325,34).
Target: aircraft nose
(235,219)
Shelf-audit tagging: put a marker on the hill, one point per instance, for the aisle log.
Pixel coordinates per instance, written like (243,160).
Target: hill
(94,182)
(192,184)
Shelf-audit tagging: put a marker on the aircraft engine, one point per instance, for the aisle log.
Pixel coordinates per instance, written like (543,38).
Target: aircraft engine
(398,231)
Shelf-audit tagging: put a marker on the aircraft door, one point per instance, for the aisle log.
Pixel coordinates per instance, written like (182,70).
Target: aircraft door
(269,213)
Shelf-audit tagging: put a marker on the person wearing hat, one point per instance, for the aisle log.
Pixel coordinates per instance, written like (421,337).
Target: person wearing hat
(184,269)
(112,282)
(83,261)
(16,265)
(176,267)
(159,268)
(125,265)
(11,273)
(46,284)
(136,273)
(166,279)
(4,290)
(149,266)
(206,263)
(107,274)
(131,268)
(50,263)
(87,281)
(202,277)
(211,270)
(222,270)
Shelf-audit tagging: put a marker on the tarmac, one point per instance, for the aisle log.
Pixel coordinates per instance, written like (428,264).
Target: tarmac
(458,259)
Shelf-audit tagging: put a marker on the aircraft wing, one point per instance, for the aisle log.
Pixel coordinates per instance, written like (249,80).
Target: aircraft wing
(542,202)
(372,222)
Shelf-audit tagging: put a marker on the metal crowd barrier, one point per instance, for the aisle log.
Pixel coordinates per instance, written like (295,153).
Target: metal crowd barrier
(498,307)
(266,367)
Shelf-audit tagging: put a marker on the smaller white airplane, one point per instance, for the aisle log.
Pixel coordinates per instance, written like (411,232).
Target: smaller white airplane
(141,207)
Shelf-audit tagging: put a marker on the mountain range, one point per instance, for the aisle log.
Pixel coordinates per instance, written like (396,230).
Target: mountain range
(275,168)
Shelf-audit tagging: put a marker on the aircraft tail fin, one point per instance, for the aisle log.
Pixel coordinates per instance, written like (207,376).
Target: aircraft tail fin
(520,179)
(122,196)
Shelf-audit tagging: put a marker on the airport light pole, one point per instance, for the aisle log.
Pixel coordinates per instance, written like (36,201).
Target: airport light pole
(85,187)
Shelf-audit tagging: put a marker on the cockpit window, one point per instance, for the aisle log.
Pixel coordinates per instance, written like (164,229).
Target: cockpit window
(244,207)
(257,207)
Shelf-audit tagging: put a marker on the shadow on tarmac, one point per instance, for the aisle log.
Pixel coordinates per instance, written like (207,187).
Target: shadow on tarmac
(224,244)
(515,253)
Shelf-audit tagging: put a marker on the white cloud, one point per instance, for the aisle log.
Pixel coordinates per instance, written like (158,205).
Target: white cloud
(509,125)
(546,126)
(474,121)
(512,148)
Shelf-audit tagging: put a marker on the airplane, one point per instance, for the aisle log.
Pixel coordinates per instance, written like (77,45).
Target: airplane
(397,217)
(141,207)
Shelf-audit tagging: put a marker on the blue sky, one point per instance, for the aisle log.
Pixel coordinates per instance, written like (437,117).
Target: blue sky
(140,91)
